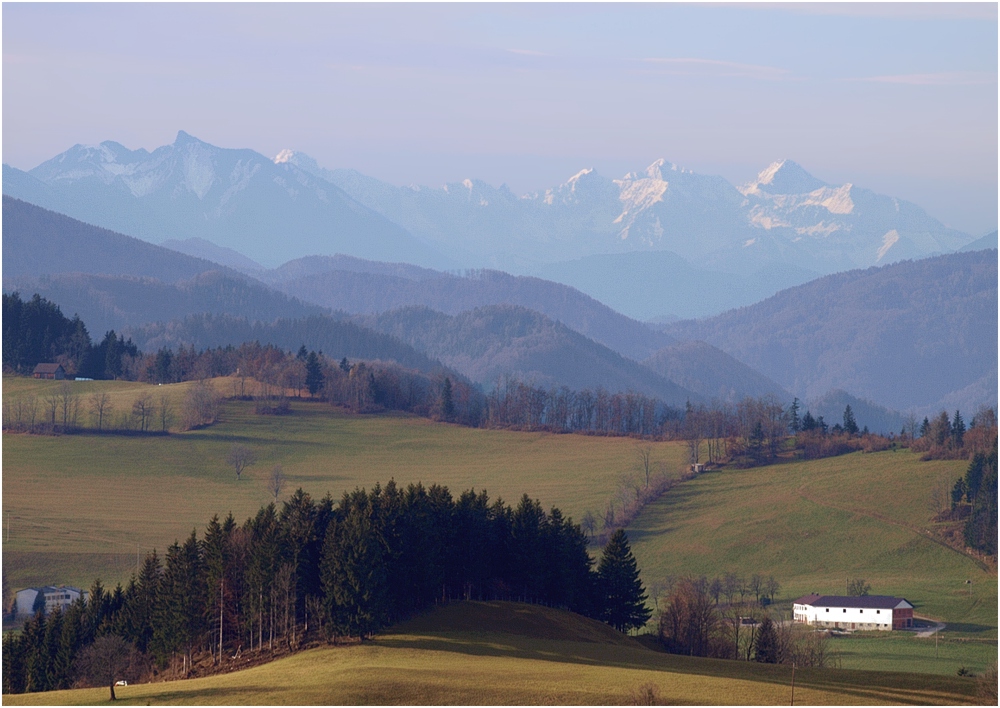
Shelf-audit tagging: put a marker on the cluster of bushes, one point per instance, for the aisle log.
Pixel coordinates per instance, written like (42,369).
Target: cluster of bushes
(697,622)
(330,570)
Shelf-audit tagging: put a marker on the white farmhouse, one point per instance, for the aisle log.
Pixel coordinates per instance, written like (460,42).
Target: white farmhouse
(875,612)
(46,599)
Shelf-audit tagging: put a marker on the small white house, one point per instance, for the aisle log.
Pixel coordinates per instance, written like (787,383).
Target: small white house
(46,598)
(868,612)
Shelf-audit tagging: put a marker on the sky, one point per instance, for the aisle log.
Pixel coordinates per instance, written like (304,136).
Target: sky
(899,98)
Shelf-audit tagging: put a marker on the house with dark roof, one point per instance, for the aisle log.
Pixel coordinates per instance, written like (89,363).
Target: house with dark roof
(49,371)
(868,612)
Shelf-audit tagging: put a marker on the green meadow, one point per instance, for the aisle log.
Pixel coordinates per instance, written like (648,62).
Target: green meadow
(813,525)
(79,506)
(504,654)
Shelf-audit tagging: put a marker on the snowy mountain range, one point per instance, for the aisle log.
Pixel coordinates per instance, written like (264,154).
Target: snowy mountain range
(785,215)
(783,228)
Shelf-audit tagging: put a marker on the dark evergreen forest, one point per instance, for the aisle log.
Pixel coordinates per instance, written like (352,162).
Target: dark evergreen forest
(325,570)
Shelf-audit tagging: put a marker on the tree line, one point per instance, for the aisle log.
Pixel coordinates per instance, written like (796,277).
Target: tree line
(36,331)
(974,498)
(329,570)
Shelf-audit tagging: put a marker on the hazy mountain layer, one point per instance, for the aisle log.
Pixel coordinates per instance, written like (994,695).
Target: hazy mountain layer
(41,242)
(335,338)
(379,291)
(911,335)
(656,285)
(490,342)
(711,373)
(114,302)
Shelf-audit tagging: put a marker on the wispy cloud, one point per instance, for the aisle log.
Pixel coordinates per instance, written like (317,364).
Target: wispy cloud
(715,67)
(940,78)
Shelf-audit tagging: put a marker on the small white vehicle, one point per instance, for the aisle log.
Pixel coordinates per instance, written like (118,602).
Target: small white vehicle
(123,682)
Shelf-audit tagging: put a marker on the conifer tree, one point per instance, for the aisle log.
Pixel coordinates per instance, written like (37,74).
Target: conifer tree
(354,577)
(314,374)
(850,424)
(622,593)
(766,644)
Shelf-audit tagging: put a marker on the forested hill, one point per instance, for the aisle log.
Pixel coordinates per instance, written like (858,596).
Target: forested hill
(335,338)
(911,335)
(41,242)
(369,290)
(489,342)
(712,373)
(115,302)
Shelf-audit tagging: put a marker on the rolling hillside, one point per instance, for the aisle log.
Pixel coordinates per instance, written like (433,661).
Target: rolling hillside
(907,336)
(489,342)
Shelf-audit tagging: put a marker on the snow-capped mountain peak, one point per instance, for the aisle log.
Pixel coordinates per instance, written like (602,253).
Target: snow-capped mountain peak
(783,177)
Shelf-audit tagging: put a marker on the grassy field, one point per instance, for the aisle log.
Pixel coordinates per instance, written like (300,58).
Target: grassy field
(496,653)
(80,506)
(76,506)
(815,524)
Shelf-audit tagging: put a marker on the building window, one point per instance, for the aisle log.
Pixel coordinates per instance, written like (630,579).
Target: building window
(845,609)
(878,612)
(862,611)
(827,609)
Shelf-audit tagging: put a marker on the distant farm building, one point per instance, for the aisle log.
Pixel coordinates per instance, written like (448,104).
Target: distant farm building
(47,599)
(49,371)
(869,612)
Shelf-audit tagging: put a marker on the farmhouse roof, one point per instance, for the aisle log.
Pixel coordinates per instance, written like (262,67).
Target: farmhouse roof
(878,602)
(808,599)
(47,368)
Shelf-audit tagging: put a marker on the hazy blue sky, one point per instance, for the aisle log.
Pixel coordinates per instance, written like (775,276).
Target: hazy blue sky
(898,98)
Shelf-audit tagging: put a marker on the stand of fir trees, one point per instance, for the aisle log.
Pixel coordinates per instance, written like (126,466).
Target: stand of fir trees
(324,570)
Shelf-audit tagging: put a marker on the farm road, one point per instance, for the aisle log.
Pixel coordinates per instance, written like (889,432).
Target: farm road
(930,631)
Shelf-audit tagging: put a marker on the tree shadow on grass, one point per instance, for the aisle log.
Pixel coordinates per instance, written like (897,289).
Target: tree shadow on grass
(869,687)
(966,628)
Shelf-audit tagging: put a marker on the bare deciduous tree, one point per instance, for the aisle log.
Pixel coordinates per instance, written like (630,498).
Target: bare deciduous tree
(100,406)
(858,587)
(108,660)
(142,411)
(201,405)
(69,405)
(644,454)
(240,457)
(166,412)
(276,481)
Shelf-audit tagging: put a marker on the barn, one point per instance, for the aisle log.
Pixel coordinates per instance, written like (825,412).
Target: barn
(49,371)
(868,612)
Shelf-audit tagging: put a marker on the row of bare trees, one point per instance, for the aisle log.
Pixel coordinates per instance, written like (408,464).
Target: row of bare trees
(516,404)
(63,410)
